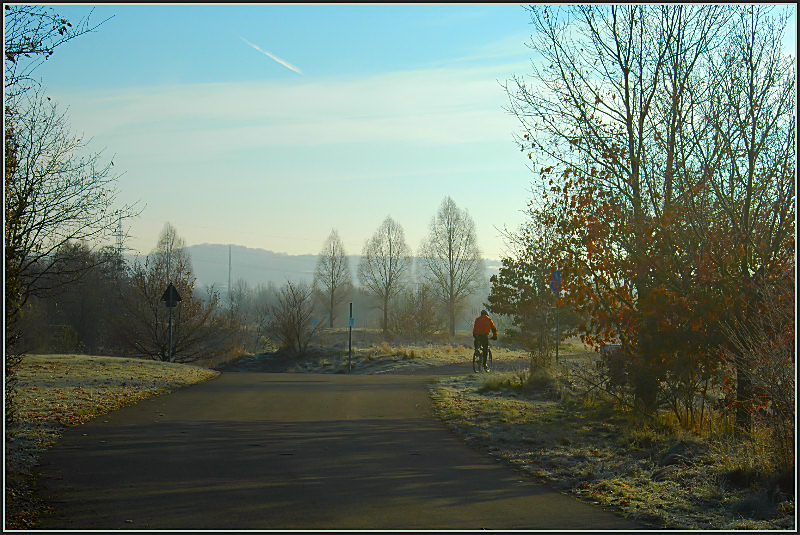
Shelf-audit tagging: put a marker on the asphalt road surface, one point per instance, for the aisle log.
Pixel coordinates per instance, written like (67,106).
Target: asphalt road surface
(282,451)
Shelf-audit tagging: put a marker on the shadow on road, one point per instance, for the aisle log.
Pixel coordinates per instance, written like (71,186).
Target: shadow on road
(292,451)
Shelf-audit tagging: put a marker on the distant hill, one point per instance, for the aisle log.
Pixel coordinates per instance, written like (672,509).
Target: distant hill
(255,266)
(260,266)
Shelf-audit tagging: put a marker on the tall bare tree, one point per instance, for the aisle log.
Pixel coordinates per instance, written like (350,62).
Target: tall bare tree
(450,258)
(752,166)
(332,276)
(31,34)
(385,262)
(680,120)
(613,89)
(55,193)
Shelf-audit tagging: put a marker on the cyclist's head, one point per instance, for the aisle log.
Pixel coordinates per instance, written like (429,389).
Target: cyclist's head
(484,313)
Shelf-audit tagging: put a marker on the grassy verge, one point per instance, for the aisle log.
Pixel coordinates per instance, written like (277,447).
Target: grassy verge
(385,357)
(375,358)
(55,391)
(663,480)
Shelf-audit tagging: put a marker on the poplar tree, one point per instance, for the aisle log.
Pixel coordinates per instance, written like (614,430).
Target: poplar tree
(332,277)
(450,258)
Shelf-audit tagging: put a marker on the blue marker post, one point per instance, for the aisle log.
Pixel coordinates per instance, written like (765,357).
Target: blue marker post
(350,341)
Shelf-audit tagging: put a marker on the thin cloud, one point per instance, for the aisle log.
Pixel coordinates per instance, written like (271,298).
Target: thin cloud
(273,56)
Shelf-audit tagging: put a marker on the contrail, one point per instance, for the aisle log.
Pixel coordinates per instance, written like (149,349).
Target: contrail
(272,56)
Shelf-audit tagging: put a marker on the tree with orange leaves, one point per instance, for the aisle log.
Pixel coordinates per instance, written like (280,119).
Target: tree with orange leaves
(666,208)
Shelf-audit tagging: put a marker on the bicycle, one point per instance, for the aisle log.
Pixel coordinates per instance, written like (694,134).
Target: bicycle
(477,357)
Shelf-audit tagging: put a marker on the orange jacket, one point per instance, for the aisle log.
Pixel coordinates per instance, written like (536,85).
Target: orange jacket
(484,324)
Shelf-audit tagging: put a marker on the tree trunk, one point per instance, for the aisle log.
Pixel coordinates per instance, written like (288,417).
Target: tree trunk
(451,310)
(743,381)
(385,314)
(330,315)
(743,388)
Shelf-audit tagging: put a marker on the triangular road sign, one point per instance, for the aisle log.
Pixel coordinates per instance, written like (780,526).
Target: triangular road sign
(171,296)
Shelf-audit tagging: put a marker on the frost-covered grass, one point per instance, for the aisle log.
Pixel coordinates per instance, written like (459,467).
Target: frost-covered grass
(663,479)
(55,391)
(384,357)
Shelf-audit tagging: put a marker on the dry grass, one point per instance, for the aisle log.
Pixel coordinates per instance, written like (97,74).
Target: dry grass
(663,480)
(55,391)
(383,357)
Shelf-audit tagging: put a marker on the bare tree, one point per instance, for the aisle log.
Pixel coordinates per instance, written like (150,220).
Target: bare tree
(614,88)
(683,116)
(332,276)
(291,317)
(751,167)
(55,190)
(55,194)
(146,315)
(451,260)
(35,136)
(385,262)
(31,35)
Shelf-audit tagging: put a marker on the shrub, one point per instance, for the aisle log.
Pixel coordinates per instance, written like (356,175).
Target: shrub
(416,314)
(768,341)
(291,317)
(542,382)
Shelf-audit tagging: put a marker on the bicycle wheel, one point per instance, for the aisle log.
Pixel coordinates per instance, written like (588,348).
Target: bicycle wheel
(489,361)
(476,361)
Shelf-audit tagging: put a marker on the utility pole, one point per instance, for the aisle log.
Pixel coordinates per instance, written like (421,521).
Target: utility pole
(230,299)
(120,242)
(120,235)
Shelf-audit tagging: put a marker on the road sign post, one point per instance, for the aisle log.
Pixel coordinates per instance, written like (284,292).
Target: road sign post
(555,284)
(171,298)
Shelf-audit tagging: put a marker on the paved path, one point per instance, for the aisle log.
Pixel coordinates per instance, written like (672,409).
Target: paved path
(271,451)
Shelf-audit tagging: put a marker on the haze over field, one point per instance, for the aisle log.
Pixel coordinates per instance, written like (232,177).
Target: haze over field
(259,266)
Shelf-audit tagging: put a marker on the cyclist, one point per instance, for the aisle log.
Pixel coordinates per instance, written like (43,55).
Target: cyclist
(480,333)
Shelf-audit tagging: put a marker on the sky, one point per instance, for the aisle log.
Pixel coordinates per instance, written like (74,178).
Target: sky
(268,126)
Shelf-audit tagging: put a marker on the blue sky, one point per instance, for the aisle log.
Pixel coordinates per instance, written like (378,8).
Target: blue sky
(269,125)
(396,108)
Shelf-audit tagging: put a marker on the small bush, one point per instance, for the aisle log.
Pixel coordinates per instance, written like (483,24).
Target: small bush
(541,359)
(739,478)
(408,353)
(291,317)
(539,382)
(504,381)
(641,437)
